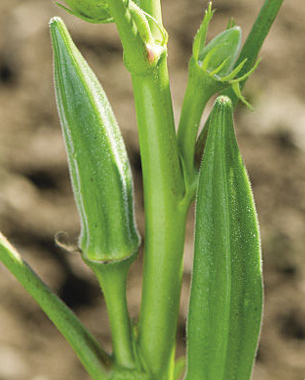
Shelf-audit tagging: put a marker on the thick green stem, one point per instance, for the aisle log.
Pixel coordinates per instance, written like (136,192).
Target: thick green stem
(93,358)
(163,193)
(112,279)
(165,220)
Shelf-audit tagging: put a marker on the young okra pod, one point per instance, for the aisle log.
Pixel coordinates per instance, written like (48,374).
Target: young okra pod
(99,167)
(226,293)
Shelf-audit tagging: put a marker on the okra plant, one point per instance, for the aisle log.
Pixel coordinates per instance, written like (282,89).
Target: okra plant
(226,297)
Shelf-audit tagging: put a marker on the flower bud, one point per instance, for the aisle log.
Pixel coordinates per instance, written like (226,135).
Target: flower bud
(214,64)
(224,47)
(98,162)
(95,11)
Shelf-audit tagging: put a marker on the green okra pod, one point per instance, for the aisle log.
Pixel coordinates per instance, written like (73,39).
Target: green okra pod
(99,166)
(226,293)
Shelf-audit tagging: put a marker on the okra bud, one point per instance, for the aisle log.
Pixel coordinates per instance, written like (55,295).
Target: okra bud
(94,11)
(226,293)
(224,50)
(213,64)
(99,167)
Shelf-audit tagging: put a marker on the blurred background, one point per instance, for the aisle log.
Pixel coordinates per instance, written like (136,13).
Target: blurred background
(36,199)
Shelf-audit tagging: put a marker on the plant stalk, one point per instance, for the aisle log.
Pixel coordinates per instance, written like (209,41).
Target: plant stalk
(165,220)
(163,193)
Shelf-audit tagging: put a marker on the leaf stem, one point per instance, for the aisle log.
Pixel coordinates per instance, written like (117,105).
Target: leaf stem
(95,360)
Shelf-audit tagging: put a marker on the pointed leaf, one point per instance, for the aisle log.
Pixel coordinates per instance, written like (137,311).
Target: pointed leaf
(96,361)
(199,40)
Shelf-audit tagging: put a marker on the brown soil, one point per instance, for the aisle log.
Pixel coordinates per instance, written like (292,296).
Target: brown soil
(35,194)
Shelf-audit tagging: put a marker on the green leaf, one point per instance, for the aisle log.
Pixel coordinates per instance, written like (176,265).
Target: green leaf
(99,166)
(226,293)
(96,361)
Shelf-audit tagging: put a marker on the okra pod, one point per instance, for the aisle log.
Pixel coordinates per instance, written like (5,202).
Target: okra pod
(226,292)
(99,167)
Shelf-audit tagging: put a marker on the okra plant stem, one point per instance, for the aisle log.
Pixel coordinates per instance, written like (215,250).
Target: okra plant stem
(165,220)
(163,192)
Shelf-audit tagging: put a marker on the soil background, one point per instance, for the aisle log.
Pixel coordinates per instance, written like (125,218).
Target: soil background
(36,199)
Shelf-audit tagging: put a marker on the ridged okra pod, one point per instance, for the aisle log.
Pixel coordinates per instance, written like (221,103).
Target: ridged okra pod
(102,183)
(99,167)
(226,293)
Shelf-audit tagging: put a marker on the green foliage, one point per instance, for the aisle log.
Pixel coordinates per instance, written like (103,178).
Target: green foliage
(96,361)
